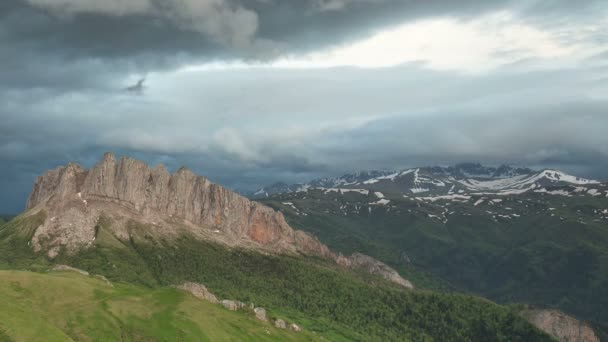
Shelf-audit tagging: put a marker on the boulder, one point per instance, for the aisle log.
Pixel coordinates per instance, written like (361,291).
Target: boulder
(279,323)
(260,313)
(295,327)
(199,291)
(230,305)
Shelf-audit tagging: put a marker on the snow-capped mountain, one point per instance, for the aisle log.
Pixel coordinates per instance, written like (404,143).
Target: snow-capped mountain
(320,183)
(462,180)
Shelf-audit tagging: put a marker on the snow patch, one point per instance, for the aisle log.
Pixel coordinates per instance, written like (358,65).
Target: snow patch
(343,191)
(377,179)
(419,190)
(554,192)
(454,197)
(291,205)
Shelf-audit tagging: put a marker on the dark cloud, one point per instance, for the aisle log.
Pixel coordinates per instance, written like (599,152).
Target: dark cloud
(64,65)
(46,42)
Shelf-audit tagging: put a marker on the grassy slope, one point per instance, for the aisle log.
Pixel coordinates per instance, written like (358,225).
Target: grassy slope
(538,258)
(332,303)
(63,306)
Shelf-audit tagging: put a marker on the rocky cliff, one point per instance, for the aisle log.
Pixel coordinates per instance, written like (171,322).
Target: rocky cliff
(373,266)
(561,326)
(168,205)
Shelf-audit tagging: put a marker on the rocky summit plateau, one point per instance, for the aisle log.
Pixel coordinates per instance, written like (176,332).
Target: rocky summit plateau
(160,205)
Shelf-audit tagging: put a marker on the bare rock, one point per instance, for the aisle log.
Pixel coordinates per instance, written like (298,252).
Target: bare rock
(260,313)
(199,291)
(373,266)
(295,327)
(133,189)
(561,326)
(230,304)
(66,268)
(279,323)
(104,279)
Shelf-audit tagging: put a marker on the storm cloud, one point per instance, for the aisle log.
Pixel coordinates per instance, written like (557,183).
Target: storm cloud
(258,91)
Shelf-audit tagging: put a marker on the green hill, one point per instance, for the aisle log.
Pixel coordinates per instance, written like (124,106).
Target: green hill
(65,306)
(325,300)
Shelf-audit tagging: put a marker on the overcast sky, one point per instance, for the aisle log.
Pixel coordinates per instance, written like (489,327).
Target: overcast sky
(252,92)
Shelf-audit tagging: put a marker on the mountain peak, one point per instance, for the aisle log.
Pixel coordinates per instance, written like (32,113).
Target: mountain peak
(109,156)
(130,190)
(74,200)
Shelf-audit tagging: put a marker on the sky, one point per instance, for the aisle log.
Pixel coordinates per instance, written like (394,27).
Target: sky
(252,92)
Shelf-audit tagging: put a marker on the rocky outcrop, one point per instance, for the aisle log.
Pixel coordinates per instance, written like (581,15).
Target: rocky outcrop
(199,291)
(75,195)
(373,266)
(104,279)
(260,313)
(230,305)
(168,205)
(561,326)
(66,268)
(279,323)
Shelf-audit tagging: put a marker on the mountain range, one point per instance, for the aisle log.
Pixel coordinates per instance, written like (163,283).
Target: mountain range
(509,234)
(462,180)
(371,256)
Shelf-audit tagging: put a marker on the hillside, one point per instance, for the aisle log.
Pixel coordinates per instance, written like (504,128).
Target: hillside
(543,242)
(314,293)
(65,306)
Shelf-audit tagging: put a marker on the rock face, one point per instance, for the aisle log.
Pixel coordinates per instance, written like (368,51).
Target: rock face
(373,266)
(73,195)
(169,205)
(561,326)
(199,291)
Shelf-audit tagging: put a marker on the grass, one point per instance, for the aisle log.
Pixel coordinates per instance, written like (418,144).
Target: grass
(65,306)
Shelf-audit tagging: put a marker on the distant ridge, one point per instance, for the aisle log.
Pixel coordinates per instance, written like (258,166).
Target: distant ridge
(465,179)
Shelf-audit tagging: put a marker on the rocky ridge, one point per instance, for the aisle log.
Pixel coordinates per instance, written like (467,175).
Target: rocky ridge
(167,205)
(463,180)
(561,326)
(373,266)
(200,291)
